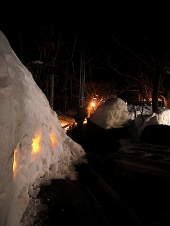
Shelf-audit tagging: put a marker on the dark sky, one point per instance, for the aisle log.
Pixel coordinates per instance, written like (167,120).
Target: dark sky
(99,18)
(129,24)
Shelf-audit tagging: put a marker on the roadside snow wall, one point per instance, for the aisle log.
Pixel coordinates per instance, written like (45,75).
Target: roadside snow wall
(33,145)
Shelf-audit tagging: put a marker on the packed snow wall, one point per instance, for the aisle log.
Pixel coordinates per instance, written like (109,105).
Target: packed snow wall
(33,145)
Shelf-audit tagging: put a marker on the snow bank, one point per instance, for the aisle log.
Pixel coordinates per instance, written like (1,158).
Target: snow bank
(33,144)
(164,117)
(142,116)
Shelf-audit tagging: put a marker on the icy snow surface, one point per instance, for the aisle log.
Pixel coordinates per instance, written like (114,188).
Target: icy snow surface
(33,146)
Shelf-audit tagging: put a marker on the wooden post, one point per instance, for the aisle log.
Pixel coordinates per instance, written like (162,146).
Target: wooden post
(80,113)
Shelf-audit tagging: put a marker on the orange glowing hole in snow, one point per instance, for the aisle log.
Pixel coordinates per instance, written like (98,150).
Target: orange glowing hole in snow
(36,144)
(53,139)
(15,165)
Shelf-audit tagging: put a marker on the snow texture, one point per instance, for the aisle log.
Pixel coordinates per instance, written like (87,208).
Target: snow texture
(26,120)
(113,113)
(142,116)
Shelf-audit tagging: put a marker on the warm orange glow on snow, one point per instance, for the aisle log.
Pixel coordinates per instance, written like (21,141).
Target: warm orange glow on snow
(36,144)
(53,138)
(15,165)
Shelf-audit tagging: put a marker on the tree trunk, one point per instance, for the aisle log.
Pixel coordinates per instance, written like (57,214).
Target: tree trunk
(156,85)
(167,99)
(167,91)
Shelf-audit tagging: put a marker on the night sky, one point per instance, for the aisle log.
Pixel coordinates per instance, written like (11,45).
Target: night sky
(128,23)
(112,34)
(125,22)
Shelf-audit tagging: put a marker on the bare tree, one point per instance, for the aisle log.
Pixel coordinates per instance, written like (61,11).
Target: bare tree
(140,53)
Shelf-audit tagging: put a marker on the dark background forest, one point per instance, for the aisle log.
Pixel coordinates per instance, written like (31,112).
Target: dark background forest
(80,52)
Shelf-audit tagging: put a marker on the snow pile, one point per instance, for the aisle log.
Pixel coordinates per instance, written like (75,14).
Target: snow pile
(113,113)
(139,123)
(164,117)
(33,145)
(142,116)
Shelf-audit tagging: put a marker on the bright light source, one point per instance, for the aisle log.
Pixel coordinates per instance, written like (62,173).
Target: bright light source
(36,144)
(15,165)
(92,104)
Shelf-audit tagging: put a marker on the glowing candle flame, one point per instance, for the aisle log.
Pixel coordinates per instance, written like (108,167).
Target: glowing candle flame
(36,144)
(53,139)
(15,164)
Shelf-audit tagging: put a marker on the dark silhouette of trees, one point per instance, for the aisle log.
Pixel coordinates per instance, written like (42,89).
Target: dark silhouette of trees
(126,47)
(51,50)
(141,47)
